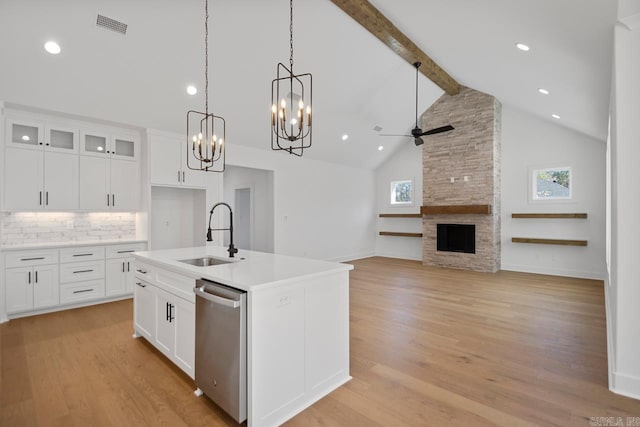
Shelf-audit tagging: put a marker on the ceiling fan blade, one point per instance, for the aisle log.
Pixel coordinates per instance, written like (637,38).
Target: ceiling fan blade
(386,134)
(434,131)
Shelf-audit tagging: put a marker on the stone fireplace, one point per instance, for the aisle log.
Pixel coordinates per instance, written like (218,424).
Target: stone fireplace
(461,178)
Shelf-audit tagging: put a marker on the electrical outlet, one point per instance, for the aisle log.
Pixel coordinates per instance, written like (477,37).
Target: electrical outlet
(283,300)
(453,179)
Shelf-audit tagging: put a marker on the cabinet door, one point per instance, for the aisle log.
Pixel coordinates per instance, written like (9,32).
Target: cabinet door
(94,183)
(125,185)
(185,341)
(164,160)
(23,179)
(94,144)
(25,134)
(124,147)
(61,181)
(144,309)
(19,290)
(165,325)
(62,139)
(192,178)
(116,277)
(46,289)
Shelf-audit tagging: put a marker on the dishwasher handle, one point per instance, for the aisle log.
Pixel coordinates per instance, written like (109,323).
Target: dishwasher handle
(216,299)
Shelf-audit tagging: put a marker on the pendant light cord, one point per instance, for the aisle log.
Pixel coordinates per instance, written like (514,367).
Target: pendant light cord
(206,56)
(291,34)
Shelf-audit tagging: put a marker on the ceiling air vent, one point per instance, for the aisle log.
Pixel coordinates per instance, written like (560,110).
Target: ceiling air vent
(111,24)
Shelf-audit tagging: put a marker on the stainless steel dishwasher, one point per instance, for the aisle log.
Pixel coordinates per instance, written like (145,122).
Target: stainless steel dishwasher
(221,346)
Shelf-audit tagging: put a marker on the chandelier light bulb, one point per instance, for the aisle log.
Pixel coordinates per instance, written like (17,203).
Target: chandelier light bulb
(301,104)
(283,103)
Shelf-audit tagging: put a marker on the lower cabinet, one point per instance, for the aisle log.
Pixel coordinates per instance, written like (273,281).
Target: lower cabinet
(168,322)
(30,288)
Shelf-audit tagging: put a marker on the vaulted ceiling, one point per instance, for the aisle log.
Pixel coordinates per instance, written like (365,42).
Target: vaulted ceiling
(140,78)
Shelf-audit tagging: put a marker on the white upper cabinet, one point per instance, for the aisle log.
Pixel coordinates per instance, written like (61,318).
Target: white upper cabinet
(103,144)
(108,184)
(41,135)
(168,162)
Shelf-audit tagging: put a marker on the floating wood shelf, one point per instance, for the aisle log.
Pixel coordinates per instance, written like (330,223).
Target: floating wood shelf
(549,241)
(411,215)
(456,209)
(550,215)
(394,233)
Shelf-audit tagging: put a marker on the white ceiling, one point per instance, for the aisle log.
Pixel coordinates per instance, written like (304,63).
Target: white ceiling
(140,78)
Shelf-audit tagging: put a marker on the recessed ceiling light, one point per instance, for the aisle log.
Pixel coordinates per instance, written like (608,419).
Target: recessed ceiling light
(191,90)
(380,147)
(555,116)
(543,91)
(345,137)
(25,137)
(523,47)
(52,47)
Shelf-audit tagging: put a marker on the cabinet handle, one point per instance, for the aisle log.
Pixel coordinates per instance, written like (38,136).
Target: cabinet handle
(83,254)
(113,200)
(36,276)
(82,271)
(39,143)
(128,266)
(29,277)
(141,271)
(141,285)
(83,290)
(166,305)
(41,198)
(123,267)
(183,176)
(108,200)
(47,198)
(171,316)
(31,259)
(127,251)
(178,176)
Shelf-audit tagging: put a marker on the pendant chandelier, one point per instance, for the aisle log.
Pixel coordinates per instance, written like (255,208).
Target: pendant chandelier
(291,105)
(206,133)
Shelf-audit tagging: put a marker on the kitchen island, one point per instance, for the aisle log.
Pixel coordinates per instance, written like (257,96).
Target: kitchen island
(297,321)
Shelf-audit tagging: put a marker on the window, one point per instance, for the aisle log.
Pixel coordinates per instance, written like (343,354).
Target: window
(551,184)
(402,193)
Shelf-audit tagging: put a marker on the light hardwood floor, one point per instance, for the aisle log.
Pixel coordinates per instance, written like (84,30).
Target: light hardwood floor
(429,347)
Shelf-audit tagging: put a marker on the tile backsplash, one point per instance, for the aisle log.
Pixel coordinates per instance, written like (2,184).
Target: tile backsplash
(22,228)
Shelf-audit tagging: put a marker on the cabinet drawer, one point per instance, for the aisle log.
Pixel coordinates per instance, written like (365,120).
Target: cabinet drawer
(81,254)
(81,271)
(144,272)
(121,251)
(30,258)
(73,292)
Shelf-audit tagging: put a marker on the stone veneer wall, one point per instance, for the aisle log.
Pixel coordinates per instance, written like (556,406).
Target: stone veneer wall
(22,228)
(472,150)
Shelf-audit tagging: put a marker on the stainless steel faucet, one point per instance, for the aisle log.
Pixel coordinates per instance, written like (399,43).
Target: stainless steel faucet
(232,250)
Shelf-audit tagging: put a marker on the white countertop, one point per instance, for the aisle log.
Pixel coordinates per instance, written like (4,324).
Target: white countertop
(68,244)
(249,271)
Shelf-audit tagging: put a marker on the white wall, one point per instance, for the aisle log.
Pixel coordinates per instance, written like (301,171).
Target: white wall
(260,182)
(624,280)
(322,210)
(529,142)
(177,218)
(405,163)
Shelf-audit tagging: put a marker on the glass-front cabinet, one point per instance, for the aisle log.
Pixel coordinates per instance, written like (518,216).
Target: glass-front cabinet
(40,135)
(105,145)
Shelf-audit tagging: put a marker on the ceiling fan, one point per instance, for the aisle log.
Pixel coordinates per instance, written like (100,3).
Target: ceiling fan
(416,132)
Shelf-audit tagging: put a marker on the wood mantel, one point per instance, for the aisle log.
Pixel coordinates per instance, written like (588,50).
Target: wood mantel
(456,209)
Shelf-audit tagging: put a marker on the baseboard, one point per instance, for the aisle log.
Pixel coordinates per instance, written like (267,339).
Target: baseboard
(352,257)
(396,256)
(69,306)
(597,275)
(626,385)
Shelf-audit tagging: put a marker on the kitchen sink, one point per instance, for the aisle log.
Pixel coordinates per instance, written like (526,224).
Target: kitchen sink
(205,262)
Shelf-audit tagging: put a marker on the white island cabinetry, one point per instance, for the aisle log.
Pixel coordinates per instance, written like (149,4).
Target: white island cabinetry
(297,322)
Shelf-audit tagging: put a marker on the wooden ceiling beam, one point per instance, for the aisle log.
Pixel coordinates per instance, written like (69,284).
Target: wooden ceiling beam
(379,25)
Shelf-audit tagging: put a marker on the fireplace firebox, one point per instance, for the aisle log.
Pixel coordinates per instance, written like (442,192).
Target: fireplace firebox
(456,238)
